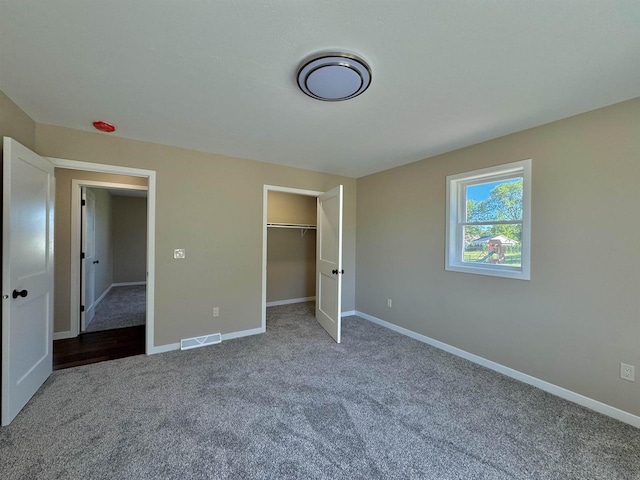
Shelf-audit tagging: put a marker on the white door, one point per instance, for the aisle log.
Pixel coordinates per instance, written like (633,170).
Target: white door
(329,262)
(27,276)
(89,261)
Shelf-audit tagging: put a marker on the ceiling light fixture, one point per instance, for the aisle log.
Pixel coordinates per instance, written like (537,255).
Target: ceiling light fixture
(333,77)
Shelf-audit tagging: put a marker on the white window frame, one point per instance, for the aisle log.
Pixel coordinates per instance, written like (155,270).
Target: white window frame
(456,209)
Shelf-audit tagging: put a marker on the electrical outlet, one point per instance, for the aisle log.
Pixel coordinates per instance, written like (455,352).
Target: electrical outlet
(389,303)
(216,311)
(179,253)
(627,372)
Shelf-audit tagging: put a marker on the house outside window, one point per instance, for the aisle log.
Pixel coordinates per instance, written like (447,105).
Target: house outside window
(489,221)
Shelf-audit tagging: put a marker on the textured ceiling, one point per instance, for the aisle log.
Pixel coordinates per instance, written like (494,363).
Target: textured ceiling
(219,76)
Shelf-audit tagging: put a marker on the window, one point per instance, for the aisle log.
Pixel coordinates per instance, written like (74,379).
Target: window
(489,221)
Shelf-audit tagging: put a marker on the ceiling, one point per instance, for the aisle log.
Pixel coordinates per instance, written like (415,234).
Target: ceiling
(219,76)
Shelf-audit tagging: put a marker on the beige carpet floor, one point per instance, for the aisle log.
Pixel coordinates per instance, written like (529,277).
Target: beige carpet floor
(292,404)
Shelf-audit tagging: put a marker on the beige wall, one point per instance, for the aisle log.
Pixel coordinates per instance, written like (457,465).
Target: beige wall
(291,208)
(211,205)
(291,264)
(577,318)
(291,257)
(62,236)
(129,239)
(15,123)
(104,269)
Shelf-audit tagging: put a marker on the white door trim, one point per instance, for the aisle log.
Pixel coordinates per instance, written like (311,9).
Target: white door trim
(265,200)
(151,235)
(85,194)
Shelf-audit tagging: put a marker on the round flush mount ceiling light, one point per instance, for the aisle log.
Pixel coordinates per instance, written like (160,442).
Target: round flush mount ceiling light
(333,77)
(104,126)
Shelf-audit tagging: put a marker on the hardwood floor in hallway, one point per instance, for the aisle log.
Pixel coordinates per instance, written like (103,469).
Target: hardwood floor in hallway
(98,346)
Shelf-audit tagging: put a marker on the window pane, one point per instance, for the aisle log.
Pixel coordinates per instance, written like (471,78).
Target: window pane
(489,221)
(494,201)
(493,244)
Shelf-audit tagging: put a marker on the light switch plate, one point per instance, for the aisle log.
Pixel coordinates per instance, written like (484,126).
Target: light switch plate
(179,253)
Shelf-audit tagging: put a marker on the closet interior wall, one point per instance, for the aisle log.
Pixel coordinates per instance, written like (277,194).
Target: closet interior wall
(291,252)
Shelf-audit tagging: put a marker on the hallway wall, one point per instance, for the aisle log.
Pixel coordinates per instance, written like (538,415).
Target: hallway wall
(129,239)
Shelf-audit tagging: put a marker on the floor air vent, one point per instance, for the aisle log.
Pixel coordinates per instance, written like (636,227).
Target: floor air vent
(196,342)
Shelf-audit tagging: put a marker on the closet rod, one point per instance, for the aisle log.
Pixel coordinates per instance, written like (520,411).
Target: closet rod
(304,227)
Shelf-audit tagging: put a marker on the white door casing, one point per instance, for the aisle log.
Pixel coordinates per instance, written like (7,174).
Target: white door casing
(88,262)
(27,275)
(329,262)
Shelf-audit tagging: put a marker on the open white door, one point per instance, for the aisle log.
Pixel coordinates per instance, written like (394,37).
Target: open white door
(27,275)
(329,262)
(88,261)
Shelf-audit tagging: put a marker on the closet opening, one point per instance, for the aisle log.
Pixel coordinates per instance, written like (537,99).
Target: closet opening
(289,263)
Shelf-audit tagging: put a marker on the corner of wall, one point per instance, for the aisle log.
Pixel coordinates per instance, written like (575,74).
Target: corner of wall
(16,123)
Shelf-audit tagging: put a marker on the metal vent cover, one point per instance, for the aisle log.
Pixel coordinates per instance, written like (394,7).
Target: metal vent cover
(195,342)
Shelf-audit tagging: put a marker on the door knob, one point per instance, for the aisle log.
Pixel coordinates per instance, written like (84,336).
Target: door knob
(96,261)
(335,272)
(22,294)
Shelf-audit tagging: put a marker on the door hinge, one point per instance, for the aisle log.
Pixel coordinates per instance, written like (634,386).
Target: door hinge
(83,202)
(82,308)
(82,256)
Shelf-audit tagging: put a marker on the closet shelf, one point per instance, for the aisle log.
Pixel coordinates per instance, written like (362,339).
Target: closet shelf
(304,227)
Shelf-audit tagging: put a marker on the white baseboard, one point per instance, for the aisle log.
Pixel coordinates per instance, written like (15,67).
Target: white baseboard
(126,284)
(348,313)
(104,294)
(63,335)
(561,392)
(163,348)
(94,305)
(241,333)
(225,336)
(290,301)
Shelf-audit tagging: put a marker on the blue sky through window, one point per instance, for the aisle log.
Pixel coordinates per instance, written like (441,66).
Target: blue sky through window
(481,191)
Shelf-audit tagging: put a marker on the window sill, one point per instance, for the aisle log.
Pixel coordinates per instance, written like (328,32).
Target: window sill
(489,271)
